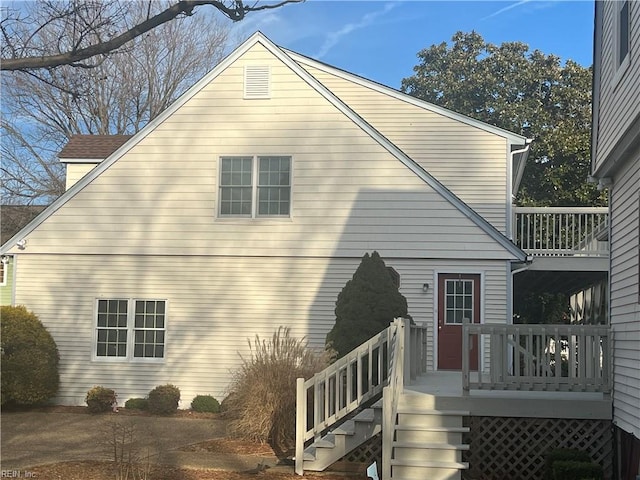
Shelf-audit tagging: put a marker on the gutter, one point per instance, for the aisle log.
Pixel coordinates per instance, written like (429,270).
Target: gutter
(515,182)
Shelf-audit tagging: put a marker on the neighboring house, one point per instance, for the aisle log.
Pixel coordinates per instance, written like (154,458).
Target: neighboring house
(616,166)
(13,218)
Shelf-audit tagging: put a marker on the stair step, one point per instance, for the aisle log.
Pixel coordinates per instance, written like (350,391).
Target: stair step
(420,419)
(327,441)
(412,452)
(367,415)
(430,464)
(435,446)
(400,472)
(424,411)
(435,428)
(422,435)
(347,428)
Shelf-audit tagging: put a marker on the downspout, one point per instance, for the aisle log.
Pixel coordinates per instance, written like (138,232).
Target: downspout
(511,193)
(509,226)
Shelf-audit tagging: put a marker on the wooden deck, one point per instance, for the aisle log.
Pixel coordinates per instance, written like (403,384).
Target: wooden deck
(443,389)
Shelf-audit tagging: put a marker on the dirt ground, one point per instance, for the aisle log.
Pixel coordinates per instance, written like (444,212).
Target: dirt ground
(225,450)
(105,471)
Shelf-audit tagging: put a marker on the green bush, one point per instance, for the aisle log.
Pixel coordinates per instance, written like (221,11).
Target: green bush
(136,404)
(367,304)
(29,358)
(262,398)
(563,454)
(205,403)
(574,470)
(100,399)
(164,399)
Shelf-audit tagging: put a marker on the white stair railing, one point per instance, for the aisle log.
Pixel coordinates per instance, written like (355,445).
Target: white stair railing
(358,377)
(391,393)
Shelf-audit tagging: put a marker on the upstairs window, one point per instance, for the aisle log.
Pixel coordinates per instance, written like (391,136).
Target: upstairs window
(255,186)
(236,186)
(622,33)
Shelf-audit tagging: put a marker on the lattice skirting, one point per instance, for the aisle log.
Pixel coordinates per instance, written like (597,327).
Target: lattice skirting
(359,459)
(505,448)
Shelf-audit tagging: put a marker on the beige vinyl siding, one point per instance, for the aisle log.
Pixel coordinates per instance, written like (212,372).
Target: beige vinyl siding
(470,162)
(625,306)
(350,195)
(6,288)
(215,304)
(75,171)
(619,97)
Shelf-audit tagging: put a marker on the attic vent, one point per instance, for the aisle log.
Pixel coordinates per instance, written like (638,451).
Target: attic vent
(257,81)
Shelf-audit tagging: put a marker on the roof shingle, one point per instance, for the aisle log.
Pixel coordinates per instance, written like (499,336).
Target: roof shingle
(92,146)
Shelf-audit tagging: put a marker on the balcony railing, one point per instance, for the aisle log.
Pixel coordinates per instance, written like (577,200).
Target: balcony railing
(561,231)
(394,356)
(573,358)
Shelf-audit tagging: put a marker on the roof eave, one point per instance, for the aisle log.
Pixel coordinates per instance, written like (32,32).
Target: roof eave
(512,137)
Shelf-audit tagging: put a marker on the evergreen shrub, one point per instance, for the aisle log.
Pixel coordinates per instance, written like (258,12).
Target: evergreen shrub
(30,358)
(205,403)
(164,399)
(136,404)
(574,470)
(367,304)
(100,399)
(563,454)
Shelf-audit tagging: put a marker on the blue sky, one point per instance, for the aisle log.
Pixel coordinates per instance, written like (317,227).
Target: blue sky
(380,39)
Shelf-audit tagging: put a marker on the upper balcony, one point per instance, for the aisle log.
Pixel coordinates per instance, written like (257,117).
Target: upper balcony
(569,247)
(562,231)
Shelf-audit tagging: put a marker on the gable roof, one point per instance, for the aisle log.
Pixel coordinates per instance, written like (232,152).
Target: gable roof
(397,94)
(286,59)
(516,141)
(95,147)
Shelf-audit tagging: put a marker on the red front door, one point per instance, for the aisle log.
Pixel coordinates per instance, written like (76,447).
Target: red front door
(458,298)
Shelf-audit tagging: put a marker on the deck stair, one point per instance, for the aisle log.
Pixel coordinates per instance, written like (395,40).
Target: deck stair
(344,438)
(427,442)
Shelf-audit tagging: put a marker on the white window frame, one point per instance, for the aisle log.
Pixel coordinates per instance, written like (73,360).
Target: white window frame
(619,68)
(455,295)
(130,329)
(5,271)
(255,185)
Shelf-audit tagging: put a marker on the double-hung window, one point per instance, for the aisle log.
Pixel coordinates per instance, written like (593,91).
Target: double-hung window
(621,39)
(623,31)
(255,186)
(130,329)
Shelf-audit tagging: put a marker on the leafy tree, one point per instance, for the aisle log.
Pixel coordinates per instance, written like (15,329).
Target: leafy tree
(29,358)
(525,92)
(92,30)
(119,95)
(543,308)
(365,306)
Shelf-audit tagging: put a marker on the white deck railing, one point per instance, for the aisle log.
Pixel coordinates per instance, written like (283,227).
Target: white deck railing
(572,358)
(358,377)
(561,231)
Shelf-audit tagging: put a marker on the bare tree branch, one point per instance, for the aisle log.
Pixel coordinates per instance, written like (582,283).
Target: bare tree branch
(42,109)
(236,10)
